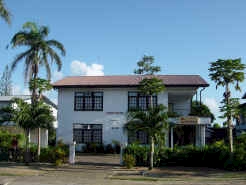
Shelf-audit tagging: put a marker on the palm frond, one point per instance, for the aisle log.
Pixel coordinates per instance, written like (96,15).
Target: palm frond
(4,13)
(57,45)
(19,58)
(55,57)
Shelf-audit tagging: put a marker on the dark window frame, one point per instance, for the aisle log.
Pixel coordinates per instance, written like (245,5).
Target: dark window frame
(138,136)
(138,96)
(84,131)
(84,97)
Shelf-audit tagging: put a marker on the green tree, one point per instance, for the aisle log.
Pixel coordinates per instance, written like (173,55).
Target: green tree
(202,110)
(226,73)
(40,52)
(6,83)
(216,125)
(27,116)
(149,86)
(4,13)
(231,110)
(41,86)
(152,122)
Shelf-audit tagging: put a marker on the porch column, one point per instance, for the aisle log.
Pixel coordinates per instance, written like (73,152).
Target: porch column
(198,136)
(171,137)
(203,135)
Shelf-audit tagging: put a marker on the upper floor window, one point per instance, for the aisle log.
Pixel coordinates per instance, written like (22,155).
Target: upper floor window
(136,100)
(88,101)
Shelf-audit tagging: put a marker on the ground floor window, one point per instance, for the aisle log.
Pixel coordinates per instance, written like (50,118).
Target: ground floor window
(139,137)
(87,133)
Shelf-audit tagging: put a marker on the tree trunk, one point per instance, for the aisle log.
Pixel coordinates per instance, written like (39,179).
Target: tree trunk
(27,139)
(229,120)
(39,143)
(152,144)
(152,150)
(34,101)
(27,152)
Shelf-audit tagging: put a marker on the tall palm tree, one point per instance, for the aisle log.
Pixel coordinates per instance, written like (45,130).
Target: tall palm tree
(39,50)
(4,13)
(40,53)
(226,73)
(153,122)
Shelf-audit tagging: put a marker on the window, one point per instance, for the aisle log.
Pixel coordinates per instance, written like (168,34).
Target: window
(170,107)
(88,101)
(137,100)
(87,133)
(139,137)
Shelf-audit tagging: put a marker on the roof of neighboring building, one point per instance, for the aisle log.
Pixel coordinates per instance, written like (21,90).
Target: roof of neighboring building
(244,96)
(128,81)
(9,98)
(26,97)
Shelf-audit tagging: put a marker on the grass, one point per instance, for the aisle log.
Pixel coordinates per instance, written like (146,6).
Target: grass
(10,174)
(134,178)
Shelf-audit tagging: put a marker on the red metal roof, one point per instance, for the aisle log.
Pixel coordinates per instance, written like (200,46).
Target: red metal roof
(128,80)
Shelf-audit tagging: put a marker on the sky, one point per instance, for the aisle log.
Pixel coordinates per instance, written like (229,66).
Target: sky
(109,37)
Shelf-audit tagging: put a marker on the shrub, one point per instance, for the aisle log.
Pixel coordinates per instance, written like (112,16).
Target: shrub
(55,154)
(129,161)
(93,148)
(116,146)
(215,156)
(58,162)
(109,149)
(140,153)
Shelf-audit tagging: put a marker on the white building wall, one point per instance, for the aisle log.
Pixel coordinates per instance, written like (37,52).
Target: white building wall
(182,106)
(113,116)
(43,137)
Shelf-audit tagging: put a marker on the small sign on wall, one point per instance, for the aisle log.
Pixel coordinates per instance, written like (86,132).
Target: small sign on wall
(186,120)
(115,113)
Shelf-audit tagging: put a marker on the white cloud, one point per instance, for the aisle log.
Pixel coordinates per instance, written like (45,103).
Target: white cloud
(81,68)
(18,90)
(212,104)
(57,75)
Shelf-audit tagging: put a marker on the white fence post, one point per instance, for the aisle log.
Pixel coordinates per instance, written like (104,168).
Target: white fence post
(122,147)
(72,153)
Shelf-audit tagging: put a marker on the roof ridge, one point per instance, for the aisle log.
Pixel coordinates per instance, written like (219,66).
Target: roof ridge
(132,75)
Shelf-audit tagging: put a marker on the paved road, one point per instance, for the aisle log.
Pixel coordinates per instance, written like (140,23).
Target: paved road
(89,170)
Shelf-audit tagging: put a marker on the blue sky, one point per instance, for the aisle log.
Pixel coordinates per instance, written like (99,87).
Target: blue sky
(109,37)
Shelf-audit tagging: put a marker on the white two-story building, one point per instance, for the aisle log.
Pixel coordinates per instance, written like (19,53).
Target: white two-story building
(94,108)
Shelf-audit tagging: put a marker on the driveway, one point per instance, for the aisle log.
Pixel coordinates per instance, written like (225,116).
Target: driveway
(105,170)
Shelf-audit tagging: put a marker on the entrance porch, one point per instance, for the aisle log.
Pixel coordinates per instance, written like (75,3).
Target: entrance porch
(188,130)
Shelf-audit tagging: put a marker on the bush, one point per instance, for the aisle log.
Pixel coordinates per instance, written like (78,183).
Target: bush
(93,148)
(129,161)
(58,154)
(109,149)
(215,156)
(6,148)
(116,146)
(6,139)
(140,153)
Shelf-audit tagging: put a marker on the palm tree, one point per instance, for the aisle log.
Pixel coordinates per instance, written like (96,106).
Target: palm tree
(39,51)
(153,122)
(226,73)
(4,13)
(27,117)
